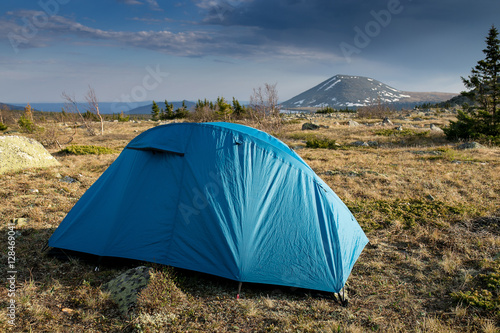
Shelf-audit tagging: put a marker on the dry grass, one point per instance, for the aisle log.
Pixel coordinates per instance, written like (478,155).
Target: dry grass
(428,210)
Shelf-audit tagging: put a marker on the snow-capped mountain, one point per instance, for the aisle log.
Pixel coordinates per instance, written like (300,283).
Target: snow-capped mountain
(343,91)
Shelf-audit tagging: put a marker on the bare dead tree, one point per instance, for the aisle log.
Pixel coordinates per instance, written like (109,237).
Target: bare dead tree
(94,106)
(264,107)
(71,106)
(2,109)
(257,106)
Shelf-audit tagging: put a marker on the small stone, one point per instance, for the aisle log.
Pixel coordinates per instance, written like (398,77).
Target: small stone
(33,190)
(399,128)
(353,123)
(436,128)
(68,179)
(359,144)
(68,311)
(21,222)
(386,122)
(430,197)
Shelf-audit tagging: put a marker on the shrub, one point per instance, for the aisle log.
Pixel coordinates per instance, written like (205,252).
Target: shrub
(329,109)
(122,118)
(3,127)
(26,125)
(87,150)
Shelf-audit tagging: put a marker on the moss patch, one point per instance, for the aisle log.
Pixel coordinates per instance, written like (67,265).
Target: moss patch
(87,150)
(404,132)
(322,143)
(377,214)
(486,293)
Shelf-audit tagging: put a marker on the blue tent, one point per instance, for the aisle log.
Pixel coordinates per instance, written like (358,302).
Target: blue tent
(218,198)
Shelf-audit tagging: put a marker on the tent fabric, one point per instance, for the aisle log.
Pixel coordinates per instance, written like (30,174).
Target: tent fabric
(218,198)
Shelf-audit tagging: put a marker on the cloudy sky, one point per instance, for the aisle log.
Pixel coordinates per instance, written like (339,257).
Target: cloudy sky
(134,50)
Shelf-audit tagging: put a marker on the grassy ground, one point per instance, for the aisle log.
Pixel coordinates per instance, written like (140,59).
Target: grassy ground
(431,213)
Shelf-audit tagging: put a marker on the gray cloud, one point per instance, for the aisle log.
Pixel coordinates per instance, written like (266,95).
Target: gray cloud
(310,30)
(323,24)
(189,43)
(235,42)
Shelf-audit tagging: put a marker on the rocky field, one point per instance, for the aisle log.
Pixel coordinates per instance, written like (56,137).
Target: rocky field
(430,208)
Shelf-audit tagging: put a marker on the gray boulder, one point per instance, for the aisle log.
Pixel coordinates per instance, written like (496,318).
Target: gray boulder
(310,126)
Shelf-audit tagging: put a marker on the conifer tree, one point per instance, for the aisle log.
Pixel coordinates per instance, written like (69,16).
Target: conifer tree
(482,119)
(238,109)
(155,111)
(169,110)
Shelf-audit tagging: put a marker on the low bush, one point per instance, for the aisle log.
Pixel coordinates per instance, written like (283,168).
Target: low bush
(3,127)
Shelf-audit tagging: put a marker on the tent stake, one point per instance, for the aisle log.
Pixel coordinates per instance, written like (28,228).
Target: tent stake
(98,264)
(343,300)
(239,290)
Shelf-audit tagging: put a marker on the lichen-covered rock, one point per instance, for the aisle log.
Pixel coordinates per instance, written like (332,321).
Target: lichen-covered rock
(125,288)
(18,153)
(470,145)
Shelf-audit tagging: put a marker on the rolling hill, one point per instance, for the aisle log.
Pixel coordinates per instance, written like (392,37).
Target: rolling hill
(4,106)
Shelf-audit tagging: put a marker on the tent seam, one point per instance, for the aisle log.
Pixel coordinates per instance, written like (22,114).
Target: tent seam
(184,161)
